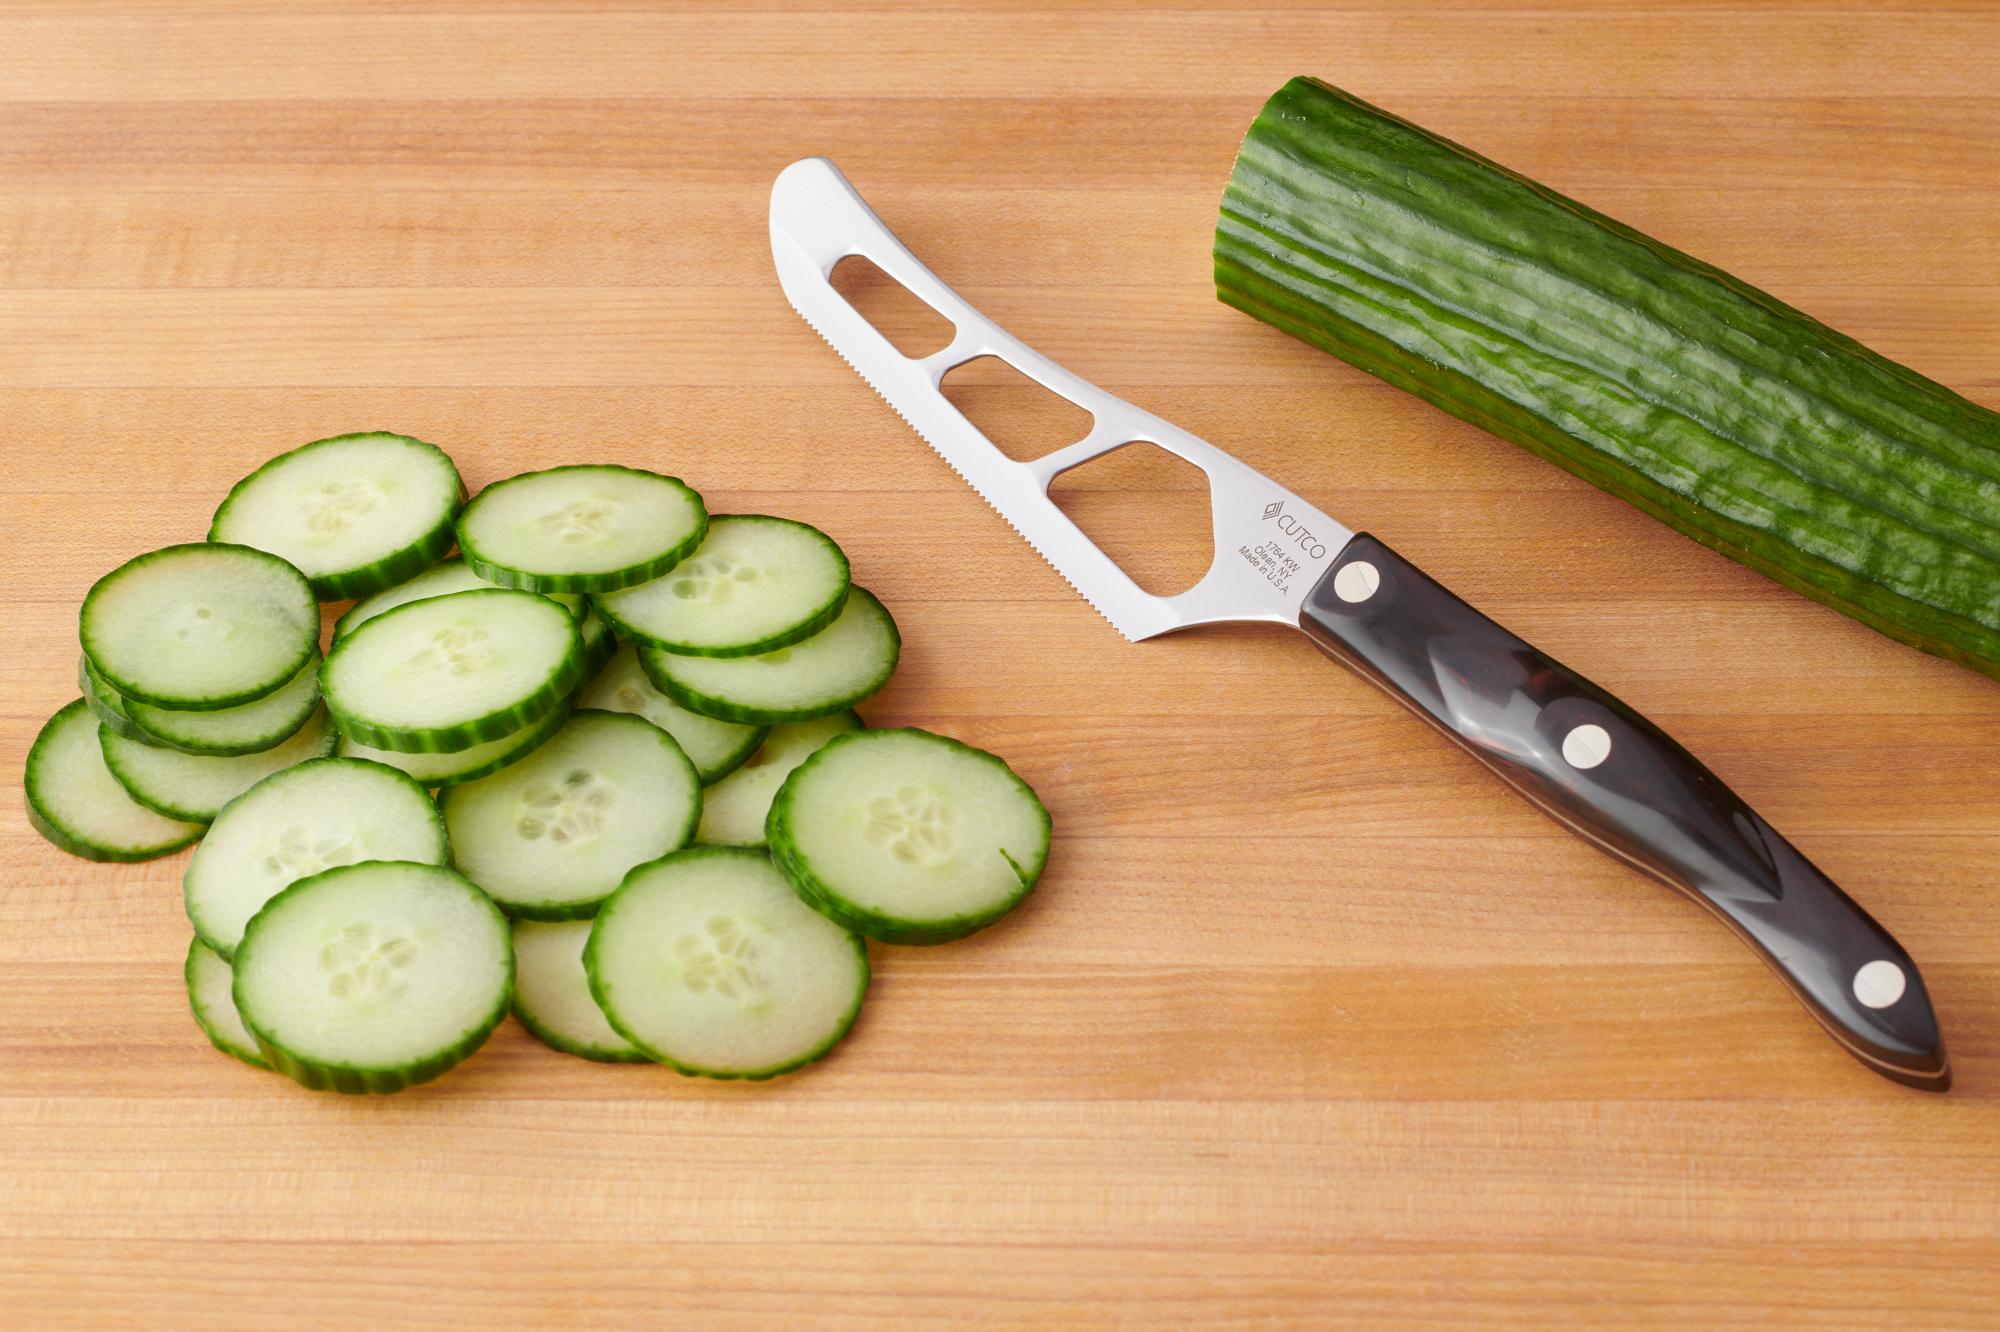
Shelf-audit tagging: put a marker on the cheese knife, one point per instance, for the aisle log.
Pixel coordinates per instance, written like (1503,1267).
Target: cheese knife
(1586,759)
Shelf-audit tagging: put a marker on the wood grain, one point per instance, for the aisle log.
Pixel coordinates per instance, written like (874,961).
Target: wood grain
(1311,1024)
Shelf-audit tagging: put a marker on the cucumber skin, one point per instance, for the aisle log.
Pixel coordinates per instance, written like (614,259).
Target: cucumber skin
(630,576)
(61,840)
(563,683)
(391,569)
(220,1042)
(798,633)
(544,728)
(213,703)
(1318,158)
(723,710)
(813,1056)
(376,1081)
(596,1054)
(109,709)
(817,894)
(151,737)
(159,807)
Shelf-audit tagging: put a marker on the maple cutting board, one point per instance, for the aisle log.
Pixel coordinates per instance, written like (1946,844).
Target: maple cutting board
(1311,1022)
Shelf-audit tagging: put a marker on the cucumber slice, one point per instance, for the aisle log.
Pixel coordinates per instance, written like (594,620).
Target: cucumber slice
(374,977)
(552,993)
(106,705)
(716,747)
(734,809)
(439,580)
(209,983)
(200,626)
(247,728)
(550,837)
(909,837)
(295,823)
(195,787)
(829,672)
(75,802)
(708,962)
(599,642)
(593,528)
(445,673)
(755,583)
(355,513)
(464,765)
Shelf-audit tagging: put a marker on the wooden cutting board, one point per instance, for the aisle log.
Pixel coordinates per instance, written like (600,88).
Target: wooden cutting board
(1311,1023)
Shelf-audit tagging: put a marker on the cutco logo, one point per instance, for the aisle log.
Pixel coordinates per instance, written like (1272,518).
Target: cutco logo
(1289,525)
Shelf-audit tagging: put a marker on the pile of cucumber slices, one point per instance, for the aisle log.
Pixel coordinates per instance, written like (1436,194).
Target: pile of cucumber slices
(602,768)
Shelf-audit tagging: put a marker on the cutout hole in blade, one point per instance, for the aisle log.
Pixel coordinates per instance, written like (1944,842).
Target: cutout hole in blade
(1023,419)
(898,314)
(1146,509)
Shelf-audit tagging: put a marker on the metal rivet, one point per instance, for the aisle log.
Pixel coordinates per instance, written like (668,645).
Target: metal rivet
(1356,581)
(1587,746)
(1879,984)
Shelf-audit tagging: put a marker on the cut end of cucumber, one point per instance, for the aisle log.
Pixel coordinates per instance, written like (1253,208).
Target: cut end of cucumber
(210,981)
(374,977)
(827,673)
(708,962)
(355,513)
(200,626)
(754,584)
(734,809)
(446,673)
(909,837)
(552,993)
(75,802)
(591,528)
(715,747)
(552,836)
(296,823)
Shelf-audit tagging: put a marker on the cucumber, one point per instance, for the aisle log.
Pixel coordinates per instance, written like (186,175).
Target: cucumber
(195,787)
(755,583)
(75,802)
(210,981)
(707,962)
(909,837)
(715,747)
(550,837)
(295,823)
(355,513)
(437,581)
(552,993)
(374,977)
(590,528)
(465,765)
(247,728)
(734,809)
(200,626)
(446,673)
(106,705)
(1698,399)
(599,642)
(827,673)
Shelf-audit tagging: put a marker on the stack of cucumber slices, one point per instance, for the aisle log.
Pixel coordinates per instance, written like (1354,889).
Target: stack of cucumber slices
(603,768)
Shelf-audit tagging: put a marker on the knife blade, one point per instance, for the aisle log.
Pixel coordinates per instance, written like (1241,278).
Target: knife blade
(1588,760)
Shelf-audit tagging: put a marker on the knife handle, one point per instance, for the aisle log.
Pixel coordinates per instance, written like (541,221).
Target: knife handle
(1613,777)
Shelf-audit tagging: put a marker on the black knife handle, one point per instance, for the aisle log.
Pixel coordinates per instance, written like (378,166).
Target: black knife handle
(1609,774)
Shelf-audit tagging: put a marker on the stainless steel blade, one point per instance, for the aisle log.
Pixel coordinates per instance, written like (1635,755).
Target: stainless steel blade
(1270,545)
